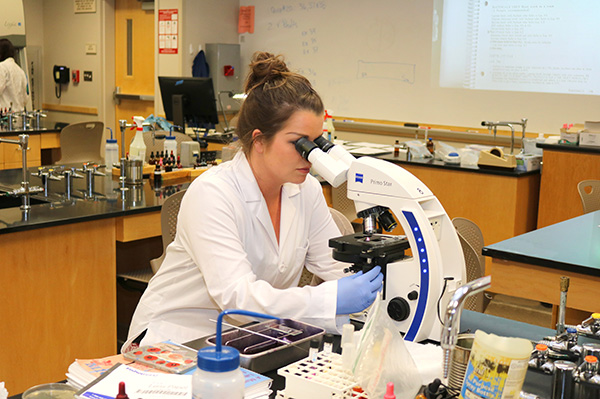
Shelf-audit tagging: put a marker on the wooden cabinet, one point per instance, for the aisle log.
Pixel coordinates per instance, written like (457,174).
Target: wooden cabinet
(563,169)
(11,157)
(58,304)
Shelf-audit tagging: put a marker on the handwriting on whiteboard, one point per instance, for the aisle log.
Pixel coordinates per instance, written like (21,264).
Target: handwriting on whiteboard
(298,6)
(386,70)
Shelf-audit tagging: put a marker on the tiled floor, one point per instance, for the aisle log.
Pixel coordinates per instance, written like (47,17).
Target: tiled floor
(519,309)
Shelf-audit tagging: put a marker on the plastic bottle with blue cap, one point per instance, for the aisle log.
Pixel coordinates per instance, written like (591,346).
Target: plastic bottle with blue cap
(111,151)
(219,375)
(170,145)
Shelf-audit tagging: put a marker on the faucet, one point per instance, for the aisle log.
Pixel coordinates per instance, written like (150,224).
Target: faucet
(91,170)
(24,191)
(123,125)
(452,316)
(70,175)
(492,127)
(38,115)
(45,175)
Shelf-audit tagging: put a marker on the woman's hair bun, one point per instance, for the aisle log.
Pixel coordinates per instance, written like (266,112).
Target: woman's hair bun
(265,67)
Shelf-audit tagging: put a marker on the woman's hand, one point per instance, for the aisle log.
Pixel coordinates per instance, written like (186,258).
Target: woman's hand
(357,292)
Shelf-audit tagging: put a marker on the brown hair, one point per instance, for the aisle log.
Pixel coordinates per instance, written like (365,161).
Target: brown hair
(274,93)
(7,49)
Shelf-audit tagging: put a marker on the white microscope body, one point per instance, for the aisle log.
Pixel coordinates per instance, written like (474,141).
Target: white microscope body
(419,286)
(437,260)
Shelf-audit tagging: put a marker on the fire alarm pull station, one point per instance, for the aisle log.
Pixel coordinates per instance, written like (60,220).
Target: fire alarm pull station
(75,76)
(228,70)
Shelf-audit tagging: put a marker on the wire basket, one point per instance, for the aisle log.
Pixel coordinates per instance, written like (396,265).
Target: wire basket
(323,377)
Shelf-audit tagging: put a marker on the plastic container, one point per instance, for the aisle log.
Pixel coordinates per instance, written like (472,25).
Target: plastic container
(496,368)
(111,153)
(219,378)
(329,124)
(219,375)
(137,149)
(170,146)
(50,391)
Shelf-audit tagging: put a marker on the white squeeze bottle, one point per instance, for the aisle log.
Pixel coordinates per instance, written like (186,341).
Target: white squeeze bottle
(111,151)
(137,149)
(329,123)
(496,368)
(170,146)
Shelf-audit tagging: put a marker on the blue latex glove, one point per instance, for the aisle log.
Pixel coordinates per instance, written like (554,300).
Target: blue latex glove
(357,292)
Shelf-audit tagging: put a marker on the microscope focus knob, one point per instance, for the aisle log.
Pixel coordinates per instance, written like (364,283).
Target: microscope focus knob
(413,295)
(398,309)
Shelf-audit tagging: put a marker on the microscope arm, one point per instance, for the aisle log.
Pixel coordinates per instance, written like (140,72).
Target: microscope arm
(417,288)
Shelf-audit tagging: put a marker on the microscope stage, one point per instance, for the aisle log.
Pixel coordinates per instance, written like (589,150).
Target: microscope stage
(363,249)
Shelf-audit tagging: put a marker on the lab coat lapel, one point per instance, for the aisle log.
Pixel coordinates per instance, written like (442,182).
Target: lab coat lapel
(288,211)
(254,198)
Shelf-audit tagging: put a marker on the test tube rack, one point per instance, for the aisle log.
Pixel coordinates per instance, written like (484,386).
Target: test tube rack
(320,377)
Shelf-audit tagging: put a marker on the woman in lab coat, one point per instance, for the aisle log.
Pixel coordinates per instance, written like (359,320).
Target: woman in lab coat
(13,81)
(247,227)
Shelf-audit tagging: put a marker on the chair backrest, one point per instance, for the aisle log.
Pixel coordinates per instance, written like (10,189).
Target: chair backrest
(158,144)
(472,234)
(345,228)
(340,201)
(589,191)
(474,302)
(81,142)
(168,224)
(471,241)
(341,222)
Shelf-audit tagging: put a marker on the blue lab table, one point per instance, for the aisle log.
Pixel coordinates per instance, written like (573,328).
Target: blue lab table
(530,265)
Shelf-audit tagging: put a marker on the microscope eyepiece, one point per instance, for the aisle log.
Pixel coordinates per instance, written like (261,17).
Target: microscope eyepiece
(324,144)
(304,146)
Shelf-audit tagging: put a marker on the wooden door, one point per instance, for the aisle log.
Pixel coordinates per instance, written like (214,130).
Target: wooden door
(134,63)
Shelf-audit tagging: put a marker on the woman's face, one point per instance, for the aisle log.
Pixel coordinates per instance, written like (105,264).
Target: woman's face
(282,163)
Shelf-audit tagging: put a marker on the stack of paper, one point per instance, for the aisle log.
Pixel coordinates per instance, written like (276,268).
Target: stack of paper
(138,384)
(88,373)
(83,371)
(257,385)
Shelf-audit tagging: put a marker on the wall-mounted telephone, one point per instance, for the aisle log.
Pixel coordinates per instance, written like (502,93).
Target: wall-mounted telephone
(61,76)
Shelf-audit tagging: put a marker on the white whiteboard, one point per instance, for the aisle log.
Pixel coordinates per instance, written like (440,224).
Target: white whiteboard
(372,59)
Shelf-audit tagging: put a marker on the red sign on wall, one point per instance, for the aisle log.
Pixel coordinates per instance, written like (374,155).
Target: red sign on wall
(168,37)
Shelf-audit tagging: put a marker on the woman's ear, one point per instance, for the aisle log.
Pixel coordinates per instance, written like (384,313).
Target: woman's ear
(257,141)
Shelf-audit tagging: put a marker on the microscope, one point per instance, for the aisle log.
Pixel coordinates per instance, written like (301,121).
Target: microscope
(417,288)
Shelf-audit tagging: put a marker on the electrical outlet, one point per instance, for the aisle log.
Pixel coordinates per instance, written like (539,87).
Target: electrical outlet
(436,224)
(87,76)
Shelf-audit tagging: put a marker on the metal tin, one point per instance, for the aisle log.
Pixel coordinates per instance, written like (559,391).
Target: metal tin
(265,354)
(459,360)
(134,172)
(563,384)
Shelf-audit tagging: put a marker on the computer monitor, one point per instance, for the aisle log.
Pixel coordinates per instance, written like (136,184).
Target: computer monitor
(188,100)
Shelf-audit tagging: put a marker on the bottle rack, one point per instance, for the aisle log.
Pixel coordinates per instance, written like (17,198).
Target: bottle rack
(323,377)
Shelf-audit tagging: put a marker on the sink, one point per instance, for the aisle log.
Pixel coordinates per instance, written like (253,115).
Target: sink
(15,202)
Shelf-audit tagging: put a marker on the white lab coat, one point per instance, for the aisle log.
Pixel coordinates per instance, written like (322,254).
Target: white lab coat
(225,256)
(13,85)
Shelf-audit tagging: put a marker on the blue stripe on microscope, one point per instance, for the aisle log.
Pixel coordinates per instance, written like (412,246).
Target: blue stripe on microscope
(424,272)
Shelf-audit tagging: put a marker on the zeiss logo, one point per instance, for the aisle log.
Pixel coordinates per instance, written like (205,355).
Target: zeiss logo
(358,178)
(179,82)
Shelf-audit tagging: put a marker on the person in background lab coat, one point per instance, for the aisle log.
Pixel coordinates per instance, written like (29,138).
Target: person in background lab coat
(247,227)
(13,81)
